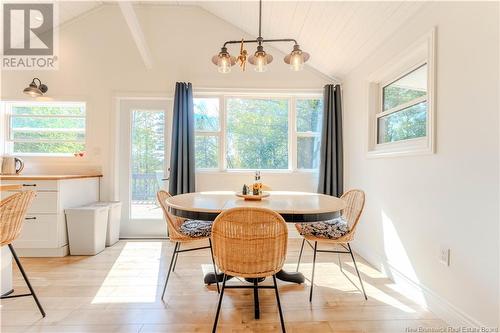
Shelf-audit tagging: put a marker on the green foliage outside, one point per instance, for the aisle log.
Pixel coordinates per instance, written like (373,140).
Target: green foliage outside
(148,153)
(27,124)
(410,122)
(257,133)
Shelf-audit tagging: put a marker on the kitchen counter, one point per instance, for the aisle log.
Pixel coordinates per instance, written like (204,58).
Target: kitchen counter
(46,177)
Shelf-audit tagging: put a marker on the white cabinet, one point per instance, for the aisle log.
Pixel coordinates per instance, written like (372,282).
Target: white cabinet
(44,232)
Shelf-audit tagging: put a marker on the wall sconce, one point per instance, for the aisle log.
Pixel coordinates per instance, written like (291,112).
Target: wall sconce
(36,90)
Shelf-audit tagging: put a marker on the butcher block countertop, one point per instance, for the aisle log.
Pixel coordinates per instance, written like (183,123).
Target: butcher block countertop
(46,177)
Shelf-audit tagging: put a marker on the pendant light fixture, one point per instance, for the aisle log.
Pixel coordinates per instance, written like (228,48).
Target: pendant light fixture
(260,59)
(36,90)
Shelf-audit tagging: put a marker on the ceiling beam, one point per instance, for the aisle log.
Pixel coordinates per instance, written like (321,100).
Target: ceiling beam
(136,31)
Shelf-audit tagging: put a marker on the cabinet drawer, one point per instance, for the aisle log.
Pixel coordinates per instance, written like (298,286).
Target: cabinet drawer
(38,231)
(35,185)
(44,202)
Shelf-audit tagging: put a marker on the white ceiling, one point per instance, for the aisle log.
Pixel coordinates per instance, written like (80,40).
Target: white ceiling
(69,10)
(337,34)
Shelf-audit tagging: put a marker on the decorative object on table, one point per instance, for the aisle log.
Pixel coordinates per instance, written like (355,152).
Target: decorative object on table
(260,59)
(12,165)
(253,197)
(36,90)
(257,185)
(79,154)
(244,191)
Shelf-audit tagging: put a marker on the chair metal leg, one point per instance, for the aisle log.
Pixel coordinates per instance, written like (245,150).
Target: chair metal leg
(312,277)
(170,268)
(300,254)
(357,271)
(214,329)
(256,298)
(340,262)
(23,273)
(175,260)
(213,263)
(279,305)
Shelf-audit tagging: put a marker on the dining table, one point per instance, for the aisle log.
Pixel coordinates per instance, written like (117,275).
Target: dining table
(294,207)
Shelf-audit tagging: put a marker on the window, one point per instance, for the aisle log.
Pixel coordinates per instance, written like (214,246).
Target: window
(45,128)
(309,115)
(207,129)
(250,132)
(404,108)
(400,102)
(257,133)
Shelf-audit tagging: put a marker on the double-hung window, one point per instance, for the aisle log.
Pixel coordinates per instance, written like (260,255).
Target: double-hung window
(257,132)
(401,103)
(45,128)
(403,113)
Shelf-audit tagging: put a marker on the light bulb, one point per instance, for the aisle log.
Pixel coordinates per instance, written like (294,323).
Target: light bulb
(297,61)
(224,64)
(261,63)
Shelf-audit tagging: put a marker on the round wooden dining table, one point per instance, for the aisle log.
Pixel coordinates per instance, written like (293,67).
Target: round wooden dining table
(294,207)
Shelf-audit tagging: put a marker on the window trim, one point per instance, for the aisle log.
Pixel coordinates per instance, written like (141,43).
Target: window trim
(8,137)
(418,54)
(293,134)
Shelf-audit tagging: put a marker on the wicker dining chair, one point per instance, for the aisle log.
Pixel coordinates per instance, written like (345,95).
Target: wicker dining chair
(12,214)
(178,232)
(317,233)
(251,243)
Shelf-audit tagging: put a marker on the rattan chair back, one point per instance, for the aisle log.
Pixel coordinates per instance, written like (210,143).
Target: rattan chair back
(249,242)
(173,222)
(355,202)
(12,212)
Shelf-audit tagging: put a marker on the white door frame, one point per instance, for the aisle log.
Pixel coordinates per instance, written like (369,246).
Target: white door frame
(143,228)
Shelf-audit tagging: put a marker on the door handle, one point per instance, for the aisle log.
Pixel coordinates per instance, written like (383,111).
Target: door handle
(165,179)
(30,218)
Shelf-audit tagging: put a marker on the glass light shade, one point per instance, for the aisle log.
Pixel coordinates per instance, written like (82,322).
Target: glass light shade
(296,58)
(224,64)
(260,63)
(296,61)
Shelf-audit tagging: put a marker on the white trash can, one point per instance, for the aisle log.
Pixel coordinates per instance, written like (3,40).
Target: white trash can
(114,219)
(87,229)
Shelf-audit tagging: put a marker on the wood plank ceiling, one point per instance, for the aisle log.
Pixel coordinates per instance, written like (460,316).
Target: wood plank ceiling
(337,34)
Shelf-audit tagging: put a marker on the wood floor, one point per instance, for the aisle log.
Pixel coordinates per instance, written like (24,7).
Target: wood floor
(119,290)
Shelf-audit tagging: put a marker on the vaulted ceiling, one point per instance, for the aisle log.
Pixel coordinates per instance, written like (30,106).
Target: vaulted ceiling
(337,34)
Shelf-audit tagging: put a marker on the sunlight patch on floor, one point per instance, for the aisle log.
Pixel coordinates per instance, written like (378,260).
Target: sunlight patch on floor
(325,277)
(120,285)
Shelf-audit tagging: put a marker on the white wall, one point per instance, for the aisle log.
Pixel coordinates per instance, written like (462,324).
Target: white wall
(416,204)
(99,60)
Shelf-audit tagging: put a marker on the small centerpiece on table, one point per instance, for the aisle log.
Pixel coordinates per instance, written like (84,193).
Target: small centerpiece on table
(254,192)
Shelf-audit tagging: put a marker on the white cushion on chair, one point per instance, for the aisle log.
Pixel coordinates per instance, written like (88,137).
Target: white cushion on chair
(331,229)
(196,228)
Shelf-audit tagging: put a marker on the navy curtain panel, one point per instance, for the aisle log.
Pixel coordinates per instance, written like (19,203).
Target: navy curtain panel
(331,170)
(182,179)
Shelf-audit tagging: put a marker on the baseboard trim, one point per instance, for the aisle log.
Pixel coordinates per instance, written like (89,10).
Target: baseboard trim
(433,302)
(39,253)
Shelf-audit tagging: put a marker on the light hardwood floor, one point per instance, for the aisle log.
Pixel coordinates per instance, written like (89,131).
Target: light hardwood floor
(119,290)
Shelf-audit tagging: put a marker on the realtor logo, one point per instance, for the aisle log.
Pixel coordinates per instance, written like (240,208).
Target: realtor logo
(28,36)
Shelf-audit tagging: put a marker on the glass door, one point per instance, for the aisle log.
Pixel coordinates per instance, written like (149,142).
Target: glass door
(144,154)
